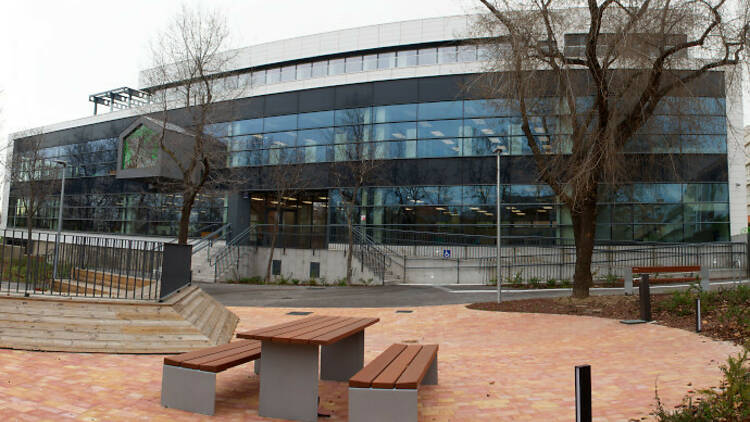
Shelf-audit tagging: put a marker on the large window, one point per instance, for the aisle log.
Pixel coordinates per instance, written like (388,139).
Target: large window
(140,149)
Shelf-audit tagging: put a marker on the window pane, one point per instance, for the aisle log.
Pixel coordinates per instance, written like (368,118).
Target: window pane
(427,56)
(438,148)
(279,139)
(320,69)
(353,116)
(288,73)
(243,127)
(440,110)
(315,136)
(447,54)
(386,60)
(406,58)
(304,71)
(278,123)
(645,193)
(315,119)
(259,78)
(705,192)
(467,53)
(395,113)
(440,129)
(485,146)
(706,212)
(370,62)
(710,144)
(336,67)
(395,131)
(353,64)
(273,76)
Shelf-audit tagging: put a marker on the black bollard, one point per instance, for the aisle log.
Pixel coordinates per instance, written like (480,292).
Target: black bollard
(698,322)
(583,393)
(645,296)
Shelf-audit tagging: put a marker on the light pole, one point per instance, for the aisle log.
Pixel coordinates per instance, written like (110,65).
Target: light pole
(498,211)
(59,217)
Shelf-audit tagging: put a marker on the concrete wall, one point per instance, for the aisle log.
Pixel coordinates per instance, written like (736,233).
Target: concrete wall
(295,263)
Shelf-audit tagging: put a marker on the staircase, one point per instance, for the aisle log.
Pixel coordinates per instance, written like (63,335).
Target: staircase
(381,260)
(225,259)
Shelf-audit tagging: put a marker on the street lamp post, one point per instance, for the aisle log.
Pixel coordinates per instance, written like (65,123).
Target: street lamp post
(59,218)
(498,211)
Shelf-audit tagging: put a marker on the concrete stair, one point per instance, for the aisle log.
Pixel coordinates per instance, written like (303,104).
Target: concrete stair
(189,320)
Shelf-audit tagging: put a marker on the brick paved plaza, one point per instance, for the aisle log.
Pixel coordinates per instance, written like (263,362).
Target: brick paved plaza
(492,366)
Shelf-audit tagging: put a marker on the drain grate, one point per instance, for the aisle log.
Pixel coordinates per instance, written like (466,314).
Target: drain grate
(404,311)
(298,313)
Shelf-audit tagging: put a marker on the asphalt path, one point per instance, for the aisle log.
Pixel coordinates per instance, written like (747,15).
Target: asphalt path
(386,296)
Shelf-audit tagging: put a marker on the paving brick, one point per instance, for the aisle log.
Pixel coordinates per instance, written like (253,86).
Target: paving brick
(493,366)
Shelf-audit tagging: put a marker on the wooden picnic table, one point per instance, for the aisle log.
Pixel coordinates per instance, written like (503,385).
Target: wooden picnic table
(290,353)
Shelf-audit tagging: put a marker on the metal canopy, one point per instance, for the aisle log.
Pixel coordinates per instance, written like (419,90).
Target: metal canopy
(120,98)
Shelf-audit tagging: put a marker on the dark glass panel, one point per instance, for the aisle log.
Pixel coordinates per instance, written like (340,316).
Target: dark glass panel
(279,123)
(705,192)
(316,119)
(427,148)
(440,110)
(395,113)
(439,129)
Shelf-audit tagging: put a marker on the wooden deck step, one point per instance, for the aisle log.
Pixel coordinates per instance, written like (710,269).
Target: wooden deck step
(187,321)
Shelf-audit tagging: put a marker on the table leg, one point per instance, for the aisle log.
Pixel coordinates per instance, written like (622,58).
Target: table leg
(289,381)
(340,360)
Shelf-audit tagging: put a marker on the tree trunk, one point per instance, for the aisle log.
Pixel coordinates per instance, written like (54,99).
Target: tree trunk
(274,236)
(584,226)
(187,206)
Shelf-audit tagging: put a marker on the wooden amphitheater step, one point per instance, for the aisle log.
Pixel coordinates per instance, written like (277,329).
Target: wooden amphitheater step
(188,320)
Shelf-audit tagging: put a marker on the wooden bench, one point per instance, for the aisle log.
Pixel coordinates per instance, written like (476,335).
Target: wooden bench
(189,380)
(630,271)
(386,389)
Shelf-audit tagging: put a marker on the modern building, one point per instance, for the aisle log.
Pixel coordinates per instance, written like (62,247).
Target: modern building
(404,85)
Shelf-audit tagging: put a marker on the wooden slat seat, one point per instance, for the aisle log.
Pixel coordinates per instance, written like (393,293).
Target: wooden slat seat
(189,379)
(219,358)
(400,366)
(667,269)
(386,388)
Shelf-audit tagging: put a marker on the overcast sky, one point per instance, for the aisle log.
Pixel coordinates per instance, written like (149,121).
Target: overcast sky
(56,53)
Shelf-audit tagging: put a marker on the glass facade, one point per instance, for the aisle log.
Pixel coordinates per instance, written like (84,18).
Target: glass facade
(432,134)
(151,214)
(456,129)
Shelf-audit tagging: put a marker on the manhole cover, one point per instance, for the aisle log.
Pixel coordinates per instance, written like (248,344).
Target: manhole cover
(404,311)
(298,313)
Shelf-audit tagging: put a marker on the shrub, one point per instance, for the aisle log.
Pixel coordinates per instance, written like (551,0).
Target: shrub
(534,282)
(551,283)
(610,280)
(730,402)
(566,283)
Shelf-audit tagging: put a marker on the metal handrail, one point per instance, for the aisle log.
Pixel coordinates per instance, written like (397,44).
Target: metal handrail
(208,240)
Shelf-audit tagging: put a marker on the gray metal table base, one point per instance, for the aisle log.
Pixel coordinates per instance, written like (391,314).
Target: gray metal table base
(289,381)
(341,360)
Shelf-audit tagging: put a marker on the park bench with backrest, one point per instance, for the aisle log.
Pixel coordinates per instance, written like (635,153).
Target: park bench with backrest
(630,271)
(386,389)
(189,380)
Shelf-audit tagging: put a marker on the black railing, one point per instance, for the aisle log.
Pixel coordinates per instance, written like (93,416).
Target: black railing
(75,265)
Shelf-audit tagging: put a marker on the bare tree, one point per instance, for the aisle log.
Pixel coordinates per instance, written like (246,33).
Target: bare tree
(188,57)
(287,181)
(629,56)
(357,163)
(31,175)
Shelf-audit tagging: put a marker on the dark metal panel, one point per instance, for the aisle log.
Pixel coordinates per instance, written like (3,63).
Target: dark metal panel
(317,100)
(441,88)
(350,96)
(400,91)
(285,103)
